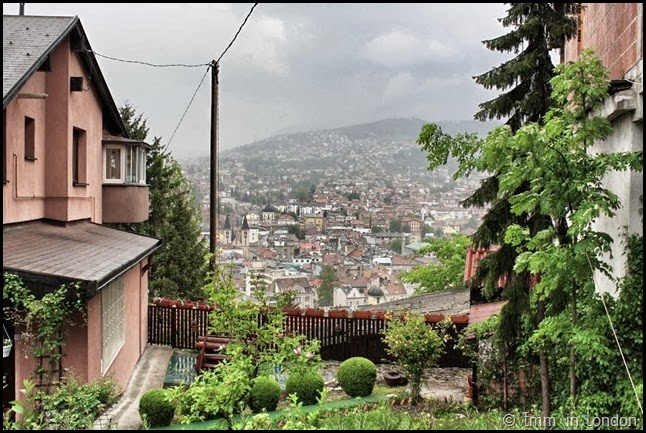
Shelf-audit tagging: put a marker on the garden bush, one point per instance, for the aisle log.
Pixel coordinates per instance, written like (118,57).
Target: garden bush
(264,394)
(357,376)
(155,408)
(307,385)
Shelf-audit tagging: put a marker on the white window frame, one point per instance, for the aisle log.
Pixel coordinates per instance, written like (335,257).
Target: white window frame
(132,170)
(113,318)
(135,165)
(122,166)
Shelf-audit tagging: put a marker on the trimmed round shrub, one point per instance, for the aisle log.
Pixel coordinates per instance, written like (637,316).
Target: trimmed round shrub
(307,386)
(357,376)
(264,394)
(153,406)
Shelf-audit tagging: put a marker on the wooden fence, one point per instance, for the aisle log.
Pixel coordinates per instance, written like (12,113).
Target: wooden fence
(341,337)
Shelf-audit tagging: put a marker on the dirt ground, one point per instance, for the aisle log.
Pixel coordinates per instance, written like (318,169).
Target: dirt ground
(447,384)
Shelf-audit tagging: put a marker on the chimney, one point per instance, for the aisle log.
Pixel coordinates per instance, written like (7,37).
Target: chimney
(21,11)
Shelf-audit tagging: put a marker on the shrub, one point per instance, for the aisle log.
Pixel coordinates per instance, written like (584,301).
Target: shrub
(414,345)
(156,408)
(264,395)
(357,376)
(307,385)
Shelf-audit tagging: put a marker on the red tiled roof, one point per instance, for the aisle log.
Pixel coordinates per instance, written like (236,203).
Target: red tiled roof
(481,312)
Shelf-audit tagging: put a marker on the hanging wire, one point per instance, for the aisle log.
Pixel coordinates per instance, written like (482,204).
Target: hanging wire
(188,106)
(139,62)
(237,33)
(621,352)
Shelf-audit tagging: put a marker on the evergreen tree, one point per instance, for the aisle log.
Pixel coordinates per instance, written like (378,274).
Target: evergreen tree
(178,267)
(326,289)
(537,29)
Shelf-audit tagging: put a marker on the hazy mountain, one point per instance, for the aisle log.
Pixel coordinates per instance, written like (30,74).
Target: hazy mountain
(319,142)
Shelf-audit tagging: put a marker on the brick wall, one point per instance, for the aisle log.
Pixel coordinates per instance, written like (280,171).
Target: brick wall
(614,31)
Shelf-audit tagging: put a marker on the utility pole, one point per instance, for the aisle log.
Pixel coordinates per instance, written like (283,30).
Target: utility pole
(213,217)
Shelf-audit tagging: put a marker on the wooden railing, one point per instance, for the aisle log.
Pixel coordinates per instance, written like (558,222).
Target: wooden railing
(358,334)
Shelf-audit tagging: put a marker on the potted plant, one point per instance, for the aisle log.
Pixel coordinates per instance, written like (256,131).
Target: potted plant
(362,314)
(337,313)
(6,347)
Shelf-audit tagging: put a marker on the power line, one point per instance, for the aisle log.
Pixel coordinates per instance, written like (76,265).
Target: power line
(210,65)
(169,65)
(237,33)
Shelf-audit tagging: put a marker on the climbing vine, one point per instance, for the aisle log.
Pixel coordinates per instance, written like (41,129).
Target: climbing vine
(41,320)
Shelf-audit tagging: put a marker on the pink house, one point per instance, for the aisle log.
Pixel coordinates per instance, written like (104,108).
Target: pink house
(69,167)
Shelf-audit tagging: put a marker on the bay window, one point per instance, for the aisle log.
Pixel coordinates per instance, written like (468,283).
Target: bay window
(124,164)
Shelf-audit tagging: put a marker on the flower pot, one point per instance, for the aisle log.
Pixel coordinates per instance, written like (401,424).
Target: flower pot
(312,312)
(362,314)
(6,351)
(337,313)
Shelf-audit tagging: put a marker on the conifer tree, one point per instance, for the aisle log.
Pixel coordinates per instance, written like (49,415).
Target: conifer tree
(536,29)
(178,267)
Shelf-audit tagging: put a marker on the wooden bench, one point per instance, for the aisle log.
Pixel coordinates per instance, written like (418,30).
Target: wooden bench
(212,350)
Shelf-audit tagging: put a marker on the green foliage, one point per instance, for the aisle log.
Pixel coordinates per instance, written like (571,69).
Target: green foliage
(297,230)
(306,385)
(265,341)
(217,393)
(265,394)
(43,318)
(395,226)
(354,195)
(357,376)
(447,272)
(396,246)
(156,407)
(414,345)
(329,281)
(73,406)
(179,269)
(537,29)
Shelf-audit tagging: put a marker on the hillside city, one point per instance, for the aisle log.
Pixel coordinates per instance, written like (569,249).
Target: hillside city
(364,210)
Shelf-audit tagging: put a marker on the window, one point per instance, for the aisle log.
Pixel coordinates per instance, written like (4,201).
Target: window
(30,139)
(135,164)
(112,322)
(79,158)
(113,173)
(125,164)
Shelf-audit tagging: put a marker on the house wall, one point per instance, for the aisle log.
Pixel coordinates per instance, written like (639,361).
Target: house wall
(23,194)
(615,32)
(43,188)
(82,350)
(135,322)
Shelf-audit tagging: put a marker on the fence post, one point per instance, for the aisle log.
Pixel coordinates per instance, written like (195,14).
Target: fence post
(173,327)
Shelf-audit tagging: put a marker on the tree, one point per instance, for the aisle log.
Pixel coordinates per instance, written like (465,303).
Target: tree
(447,272)
(326,289)
(545,168)
(395,226)
(415,346)
(536,29)
(396,246)
(297,230)
(179,268)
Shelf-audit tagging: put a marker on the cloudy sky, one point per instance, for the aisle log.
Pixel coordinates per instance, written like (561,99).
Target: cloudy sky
(293,67)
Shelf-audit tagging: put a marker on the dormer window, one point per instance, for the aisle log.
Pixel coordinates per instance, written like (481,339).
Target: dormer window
(124,161)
